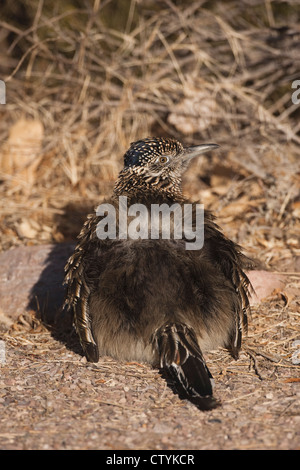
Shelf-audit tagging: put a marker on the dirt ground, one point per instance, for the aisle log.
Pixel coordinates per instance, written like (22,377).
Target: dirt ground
(51,398)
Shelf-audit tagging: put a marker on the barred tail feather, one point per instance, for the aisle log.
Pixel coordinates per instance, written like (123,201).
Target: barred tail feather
(77,299)
(84,330)
(181,358)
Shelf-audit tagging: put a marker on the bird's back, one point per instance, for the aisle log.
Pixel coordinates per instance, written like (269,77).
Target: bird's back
(136,286)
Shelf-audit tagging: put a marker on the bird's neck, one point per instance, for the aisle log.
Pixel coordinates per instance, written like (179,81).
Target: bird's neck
(148,189)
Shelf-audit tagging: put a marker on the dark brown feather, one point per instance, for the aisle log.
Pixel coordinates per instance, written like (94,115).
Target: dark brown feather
(181,358)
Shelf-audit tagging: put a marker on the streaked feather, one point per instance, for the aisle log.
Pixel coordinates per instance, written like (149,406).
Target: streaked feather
(78,292)
(181,358)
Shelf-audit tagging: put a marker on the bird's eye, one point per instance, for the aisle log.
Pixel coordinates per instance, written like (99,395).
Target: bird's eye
(162,159)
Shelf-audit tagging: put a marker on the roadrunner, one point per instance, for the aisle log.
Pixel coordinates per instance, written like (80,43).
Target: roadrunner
(152,300)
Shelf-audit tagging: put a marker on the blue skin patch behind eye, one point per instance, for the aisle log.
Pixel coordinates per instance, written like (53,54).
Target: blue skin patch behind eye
(144,151)
(132,158)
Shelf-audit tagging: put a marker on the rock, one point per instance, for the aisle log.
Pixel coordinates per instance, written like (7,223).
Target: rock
(31,279)
(264,284)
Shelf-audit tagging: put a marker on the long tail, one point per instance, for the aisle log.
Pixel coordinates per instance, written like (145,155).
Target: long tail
(181,358)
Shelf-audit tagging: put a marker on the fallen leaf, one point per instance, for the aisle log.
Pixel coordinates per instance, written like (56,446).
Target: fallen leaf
(289,294)
(26,230)
(194,113)
(21,154)
(292,380)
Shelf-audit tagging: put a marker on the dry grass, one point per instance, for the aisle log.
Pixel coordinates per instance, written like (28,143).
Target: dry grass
(94,81)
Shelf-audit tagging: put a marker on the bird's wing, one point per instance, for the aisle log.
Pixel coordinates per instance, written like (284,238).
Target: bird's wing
(228,257)
(78,292)
(181,358)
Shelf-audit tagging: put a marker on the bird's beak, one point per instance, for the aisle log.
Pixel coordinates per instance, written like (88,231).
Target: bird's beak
(195,150)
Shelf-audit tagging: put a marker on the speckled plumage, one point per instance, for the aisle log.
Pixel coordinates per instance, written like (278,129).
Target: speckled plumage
(152,300)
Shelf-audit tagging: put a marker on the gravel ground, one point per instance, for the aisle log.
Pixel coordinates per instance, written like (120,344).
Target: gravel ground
(51,398)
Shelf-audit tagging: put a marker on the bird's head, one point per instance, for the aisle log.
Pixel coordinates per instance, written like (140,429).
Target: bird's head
(157,164)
